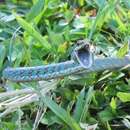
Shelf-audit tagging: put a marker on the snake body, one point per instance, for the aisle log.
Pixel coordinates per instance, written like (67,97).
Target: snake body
(63,69)
(82,62)
(42,72)
(81,59)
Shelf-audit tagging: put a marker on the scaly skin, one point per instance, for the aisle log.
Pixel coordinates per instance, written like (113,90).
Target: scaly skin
(81,58)
(63,69)
(42,72)
(82,62)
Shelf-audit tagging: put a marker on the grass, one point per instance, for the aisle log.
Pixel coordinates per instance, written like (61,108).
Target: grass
(39,32)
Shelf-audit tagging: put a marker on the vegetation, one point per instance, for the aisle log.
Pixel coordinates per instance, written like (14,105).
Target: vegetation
(37,32)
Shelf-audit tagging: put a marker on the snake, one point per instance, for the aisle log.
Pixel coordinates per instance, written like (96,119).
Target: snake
(82,61)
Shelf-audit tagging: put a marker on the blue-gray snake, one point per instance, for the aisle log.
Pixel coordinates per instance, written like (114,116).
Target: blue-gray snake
(82,62)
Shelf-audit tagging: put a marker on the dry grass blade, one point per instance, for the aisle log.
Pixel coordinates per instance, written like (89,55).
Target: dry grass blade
(21,99)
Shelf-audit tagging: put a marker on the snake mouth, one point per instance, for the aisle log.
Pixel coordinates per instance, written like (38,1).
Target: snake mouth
(84,56)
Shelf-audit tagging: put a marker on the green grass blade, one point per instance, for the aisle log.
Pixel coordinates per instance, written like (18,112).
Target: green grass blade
(124,97)
(123,50)
(61,113)
(35,34)
(35,10)
(2,55)
(86,104)
(79,106)
(104,12)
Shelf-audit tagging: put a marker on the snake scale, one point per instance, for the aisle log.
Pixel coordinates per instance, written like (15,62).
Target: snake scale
(82,62)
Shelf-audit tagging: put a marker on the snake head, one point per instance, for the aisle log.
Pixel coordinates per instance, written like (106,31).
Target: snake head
(82,53)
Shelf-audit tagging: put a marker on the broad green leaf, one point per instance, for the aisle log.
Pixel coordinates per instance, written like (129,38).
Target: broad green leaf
(123,50)
(81,2)
(56,38)
(113,103)
(69,15)
(79,106)
(61,113)
(66,93)
(124,97)
(35,34)
(35,10)
(8,126)
(50,119)
(106,115)
(62,48)
(88,99)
